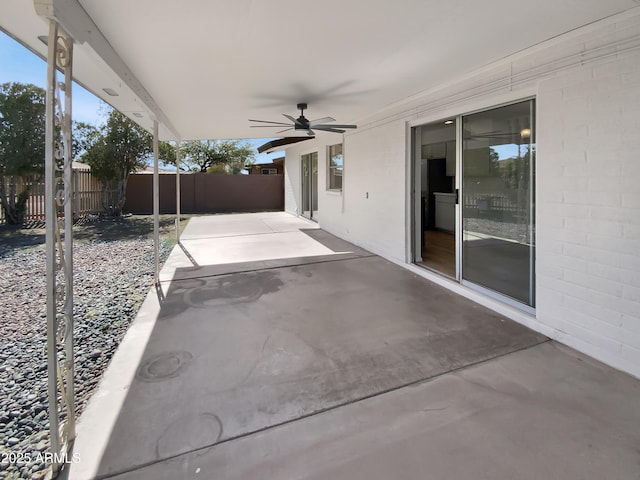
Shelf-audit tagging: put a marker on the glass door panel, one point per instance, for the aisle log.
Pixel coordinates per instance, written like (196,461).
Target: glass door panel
(435,197)
(498,160)
(314,185)
(306,191)
(309,170)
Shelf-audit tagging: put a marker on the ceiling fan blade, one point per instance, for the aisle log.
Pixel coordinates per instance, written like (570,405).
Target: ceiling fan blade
(285,130)
(319,121)
(294,120)
(335,126)
(268,121)
(269,126)
(311,133)
(326,128)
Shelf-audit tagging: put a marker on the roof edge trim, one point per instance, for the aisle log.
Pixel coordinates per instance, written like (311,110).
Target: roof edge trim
(76,22)
(281,144)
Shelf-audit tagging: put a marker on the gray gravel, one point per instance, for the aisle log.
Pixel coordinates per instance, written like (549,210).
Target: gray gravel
(111,281)
(518,232)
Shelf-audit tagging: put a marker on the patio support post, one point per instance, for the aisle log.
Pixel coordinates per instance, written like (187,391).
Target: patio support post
(156,203)
(59,246)
(178,191)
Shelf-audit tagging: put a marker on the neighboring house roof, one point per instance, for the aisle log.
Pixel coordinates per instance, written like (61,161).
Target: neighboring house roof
(276,162)
(80,166)
(149,169)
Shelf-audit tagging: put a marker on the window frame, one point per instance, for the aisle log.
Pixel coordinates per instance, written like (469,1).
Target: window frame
(331,169)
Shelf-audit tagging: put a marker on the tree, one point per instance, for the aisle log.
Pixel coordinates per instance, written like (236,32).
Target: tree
(167,153)
(117,148)
(236,155)
(215,156)
(84,135)
(22,131)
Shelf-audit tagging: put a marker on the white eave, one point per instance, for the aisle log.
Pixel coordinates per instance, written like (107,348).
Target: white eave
(202,68)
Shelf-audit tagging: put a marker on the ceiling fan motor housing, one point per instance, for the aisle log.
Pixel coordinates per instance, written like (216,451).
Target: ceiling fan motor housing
(301,122)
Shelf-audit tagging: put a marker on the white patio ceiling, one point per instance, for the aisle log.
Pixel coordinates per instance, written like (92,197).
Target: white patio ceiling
(204,67)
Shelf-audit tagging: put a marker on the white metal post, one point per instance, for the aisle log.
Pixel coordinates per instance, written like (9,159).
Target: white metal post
(156,202)
(178,191)
(51,219)
(68,242)
(59,254)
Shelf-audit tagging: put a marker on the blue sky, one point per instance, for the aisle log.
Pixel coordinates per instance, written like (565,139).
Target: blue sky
(18,64)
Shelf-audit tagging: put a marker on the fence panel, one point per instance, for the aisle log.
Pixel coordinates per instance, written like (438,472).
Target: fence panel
(86,195)
(206,193)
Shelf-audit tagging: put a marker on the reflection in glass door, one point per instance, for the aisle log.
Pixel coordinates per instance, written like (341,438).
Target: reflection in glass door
(310,185)
(498,223)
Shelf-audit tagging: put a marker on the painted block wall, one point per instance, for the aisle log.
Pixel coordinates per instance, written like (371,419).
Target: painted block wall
(292,184)
(587,87)
(589,208)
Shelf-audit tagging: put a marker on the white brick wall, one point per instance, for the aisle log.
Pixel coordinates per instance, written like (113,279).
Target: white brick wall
(588,127)
(374,164)
(292,184)
(587,89)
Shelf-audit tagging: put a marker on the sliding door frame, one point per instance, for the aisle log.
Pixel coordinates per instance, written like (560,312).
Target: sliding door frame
(414,245)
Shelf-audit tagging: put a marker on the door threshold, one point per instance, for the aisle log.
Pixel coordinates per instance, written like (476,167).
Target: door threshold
(434,270)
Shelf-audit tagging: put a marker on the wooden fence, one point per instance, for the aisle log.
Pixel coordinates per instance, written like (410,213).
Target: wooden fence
(86,195)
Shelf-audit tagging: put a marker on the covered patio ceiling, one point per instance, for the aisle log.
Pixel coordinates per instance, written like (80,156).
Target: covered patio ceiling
(204,67)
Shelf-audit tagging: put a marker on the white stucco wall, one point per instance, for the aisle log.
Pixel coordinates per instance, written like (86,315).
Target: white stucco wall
(292,184)
(587,87)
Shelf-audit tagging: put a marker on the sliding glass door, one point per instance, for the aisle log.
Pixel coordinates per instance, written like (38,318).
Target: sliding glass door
(309,185)
(497,205)
(435,207)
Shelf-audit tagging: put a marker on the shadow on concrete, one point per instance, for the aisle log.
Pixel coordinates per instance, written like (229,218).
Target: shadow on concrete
(188,255)
(241,348)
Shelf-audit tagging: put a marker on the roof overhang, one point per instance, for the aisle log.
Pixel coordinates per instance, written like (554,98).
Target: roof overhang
(281,144)
(202,68)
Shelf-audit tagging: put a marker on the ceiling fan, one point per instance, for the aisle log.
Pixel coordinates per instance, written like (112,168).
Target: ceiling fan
(302,123)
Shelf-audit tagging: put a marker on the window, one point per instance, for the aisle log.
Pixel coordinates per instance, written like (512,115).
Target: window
(269,171)
(335,167)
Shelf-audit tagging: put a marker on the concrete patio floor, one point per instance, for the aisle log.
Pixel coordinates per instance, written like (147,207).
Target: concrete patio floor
(275,350)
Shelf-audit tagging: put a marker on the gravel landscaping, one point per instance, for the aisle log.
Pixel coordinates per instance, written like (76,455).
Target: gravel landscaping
(111,279)
(518,232)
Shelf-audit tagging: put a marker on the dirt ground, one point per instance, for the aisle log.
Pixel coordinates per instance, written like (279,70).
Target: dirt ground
(128,227)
